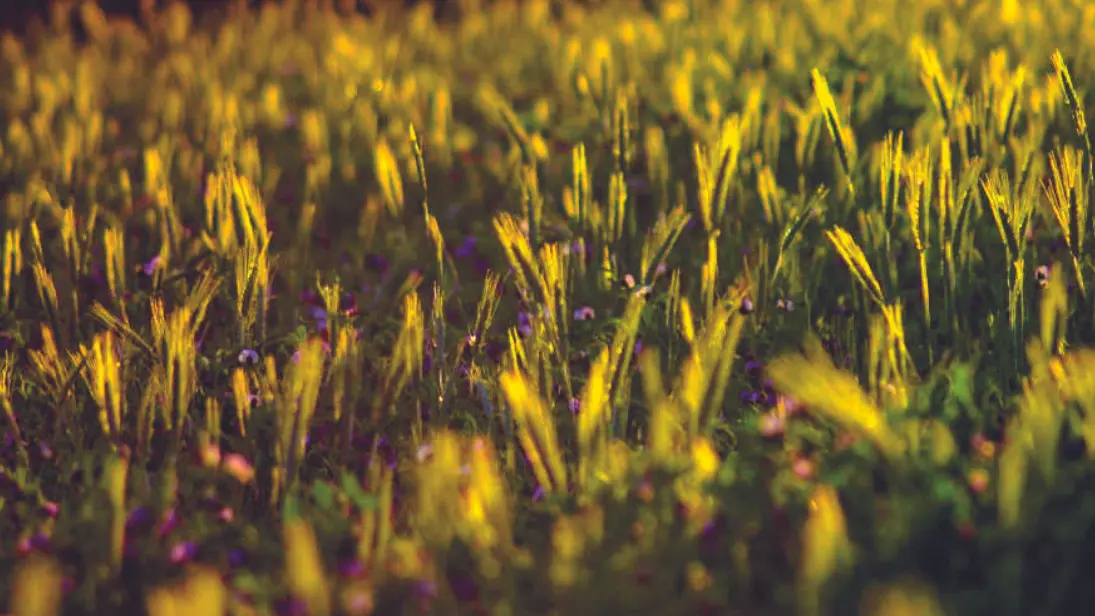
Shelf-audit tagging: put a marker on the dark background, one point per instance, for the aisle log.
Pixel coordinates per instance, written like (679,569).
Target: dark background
(17,15)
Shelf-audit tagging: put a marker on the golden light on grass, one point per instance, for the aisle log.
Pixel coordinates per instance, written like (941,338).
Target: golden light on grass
(102,373)
(179,368)
(36,587)
(536,431)
(816,383)
(840,134)
(11,265)
(856,261)
(826,549)
(304,567)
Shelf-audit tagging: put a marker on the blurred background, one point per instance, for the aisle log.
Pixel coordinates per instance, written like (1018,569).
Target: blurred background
(19,15)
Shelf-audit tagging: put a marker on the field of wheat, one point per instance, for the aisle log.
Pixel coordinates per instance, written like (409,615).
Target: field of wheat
(676,308)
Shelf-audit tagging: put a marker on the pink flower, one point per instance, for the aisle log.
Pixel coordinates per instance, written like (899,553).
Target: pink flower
(803,468)
(237,466)
(772,425)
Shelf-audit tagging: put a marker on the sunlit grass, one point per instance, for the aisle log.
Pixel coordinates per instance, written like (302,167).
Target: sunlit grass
(695,308)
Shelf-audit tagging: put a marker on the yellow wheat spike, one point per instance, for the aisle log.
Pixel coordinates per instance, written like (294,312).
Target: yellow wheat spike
(388,175)
(1006,213)
(685,322)
(102,373)
(1070,94)
(47,291)
(660,241)
(36,587)
(203,592)
(593,420)
(304,567)
(699,367)
(47,361)
(768,193)
(344,363)
(408,352)
(37,254)
(519,253)
(241,395)
(706,192)
(826,549)
(681,85)
(939,88)
(250,216)
(536,431)
(891,169)
(299,399)
(845,146)
(905,597)
(158,322)
(219,229)
(1041,410)
(487,307)
(70,241)
(115,479)
(154,177)
(1012,476)
(818,384)
(1078,385)
(437,491)
(114,249)
(709,276)
(487,506)
(438,241)
(581,194)
(181,374)
(856,261)
(1069,202)
(912,208)
(12,264)
(663,417)
(200,296)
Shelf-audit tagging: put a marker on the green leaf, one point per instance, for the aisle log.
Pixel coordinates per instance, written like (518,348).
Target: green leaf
(324,495)
(291,508)
(352,489)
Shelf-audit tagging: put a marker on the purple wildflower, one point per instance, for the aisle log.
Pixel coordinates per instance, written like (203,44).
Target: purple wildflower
(170,523)
(237,558)
(351,568)
(139,518)
(753,368)
(183,552)
(291,607)
(151,266)
(524,323)
(585,313)
(467,248)
(248,357)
